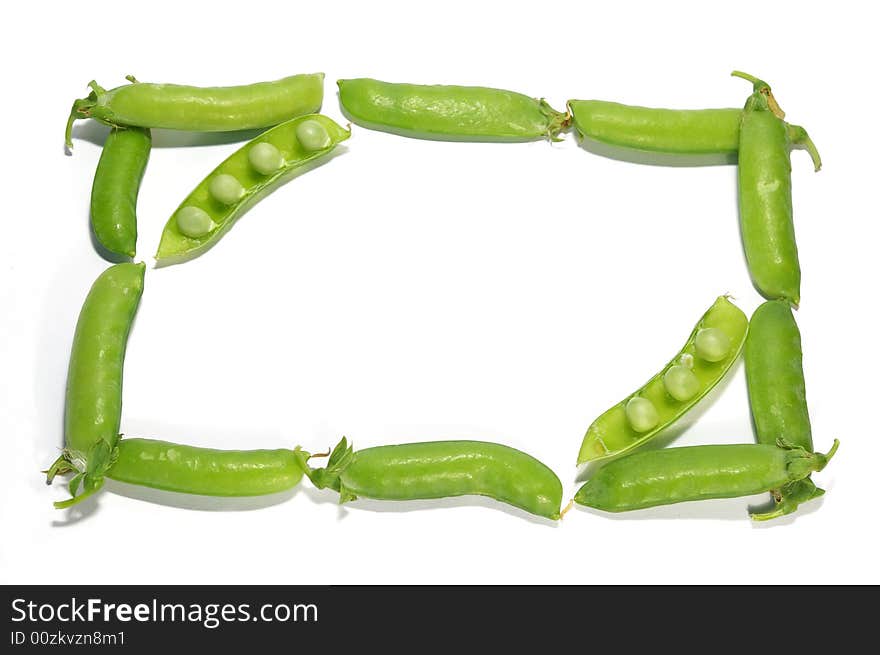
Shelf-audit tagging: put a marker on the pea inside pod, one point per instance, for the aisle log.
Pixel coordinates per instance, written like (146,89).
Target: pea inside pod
(242,179)
(440,469)
(710,351)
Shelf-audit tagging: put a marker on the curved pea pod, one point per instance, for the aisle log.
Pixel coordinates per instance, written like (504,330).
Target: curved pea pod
(674,131)
(201,109)
(675,475)
(777,392)
(449,113)
(710,351)
(93,403)
(242,179)
(115,189)
(440,469)
(204,471)
(765,204)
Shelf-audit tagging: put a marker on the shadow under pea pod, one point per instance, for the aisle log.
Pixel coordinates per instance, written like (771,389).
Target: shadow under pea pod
(725,509)
(650,158)
(719,509)
(96,133)
(199,502)
(319,496)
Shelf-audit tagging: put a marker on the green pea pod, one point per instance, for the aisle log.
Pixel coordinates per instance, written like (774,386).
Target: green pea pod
(775,376)
(711,349)
(777,393)
(440,469)
(93,405)
(449,113)
(675,475)
(205,471)
(201,109)
(115,189)
(260,166)
(765,205)
(673,131)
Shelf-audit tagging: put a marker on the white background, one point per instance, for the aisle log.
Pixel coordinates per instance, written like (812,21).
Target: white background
(411,290)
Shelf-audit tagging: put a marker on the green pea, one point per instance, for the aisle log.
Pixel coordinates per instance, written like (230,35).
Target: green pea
(200,109)
(93,404)
(641,414)
(765,205)
(440,469)
(712,344)
(675,475)
(238,183)
(205,471)
(194,222)
(681,383)
(115,189)
(670,394)
(312,135)
(449,113)
(225,188)
(777,392)
(265,158)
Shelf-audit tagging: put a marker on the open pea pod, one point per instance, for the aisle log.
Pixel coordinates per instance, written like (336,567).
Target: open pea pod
(710,351)
(260,166)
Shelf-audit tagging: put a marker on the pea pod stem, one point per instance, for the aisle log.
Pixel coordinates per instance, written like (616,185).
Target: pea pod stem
(82,108)
(61,466)
(799,137)
(758,84)
(788,498)
(76,500)
(761,87)
(89,470)
(566,509)
(328,477)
